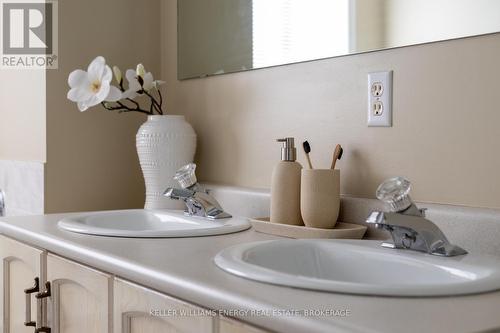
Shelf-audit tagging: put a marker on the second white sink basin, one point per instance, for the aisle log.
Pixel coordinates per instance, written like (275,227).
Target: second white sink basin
(150,223)
(360,267)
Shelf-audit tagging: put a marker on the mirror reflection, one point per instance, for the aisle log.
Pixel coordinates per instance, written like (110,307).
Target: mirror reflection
(223,36)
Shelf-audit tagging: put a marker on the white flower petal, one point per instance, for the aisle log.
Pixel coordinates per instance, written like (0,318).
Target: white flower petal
(103,92)
(130,75)
(82,106)
(114,94)
(77,78)
(132,90)
(79,94)
(107,74)
(133,84)
(129,94)
(148,81)
(96,68)
(93,101)
(136,86)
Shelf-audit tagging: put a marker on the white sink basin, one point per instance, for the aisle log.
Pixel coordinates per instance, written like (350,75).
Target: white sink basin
(360,267)
(150,223)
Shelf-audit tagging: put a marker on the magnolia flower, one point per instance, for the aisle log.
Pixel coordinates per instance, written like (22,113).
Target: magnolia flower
(138,80)
(92,87)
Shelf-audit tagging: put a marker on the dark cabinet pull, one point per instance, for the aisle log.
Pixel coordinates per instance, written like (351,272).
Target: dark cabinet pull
(40,296)
(46,293)
(28,292)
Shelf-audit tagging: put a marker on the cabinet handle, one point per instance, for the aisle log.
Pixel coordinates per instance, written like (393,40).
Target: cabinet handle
(28,292)
(46,293)
(40,296)
(42,330)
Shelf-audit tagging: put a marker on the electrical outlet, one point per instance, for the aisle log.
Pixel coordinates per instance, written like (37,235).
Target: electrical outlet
(377,89)
(377,108)
(380,99)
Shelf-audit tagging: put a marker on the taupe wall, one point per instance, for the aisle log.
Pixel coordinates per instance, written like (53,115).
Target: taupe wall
(446,132)
(91,158)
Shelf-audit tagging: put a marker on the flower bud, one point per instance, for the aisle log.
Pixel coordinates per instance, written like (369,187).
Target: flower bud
(118,74)
(140,71)
(157,83)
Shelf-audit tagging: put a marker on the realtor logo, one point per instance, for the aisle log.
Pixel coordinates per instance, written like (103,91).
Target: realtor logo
(29,34)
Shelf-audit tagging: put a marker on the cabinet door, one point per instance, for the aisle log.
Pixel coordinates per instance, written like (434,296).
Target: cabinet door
(80,301)
(141,310)
(20,265)
(227,325)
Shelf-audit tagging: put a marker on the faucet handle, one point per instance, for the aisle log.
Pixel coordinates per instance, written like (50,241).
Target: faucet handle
(186,175)
(395,193)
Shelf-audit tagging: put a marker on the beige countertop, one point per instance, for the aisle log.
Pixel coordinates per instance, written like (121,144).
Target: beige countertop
(184,268)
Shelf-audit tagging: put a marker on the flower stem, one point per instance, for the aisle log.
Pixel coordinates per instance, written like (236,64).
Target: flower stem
(153,100)
(161,97)
(125,108)
(132,101)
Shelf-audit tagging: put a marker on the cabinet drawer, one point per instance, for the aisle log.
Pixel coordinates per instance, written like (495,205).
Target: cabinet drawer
(80,301)
(227,325)
(141,310)
(21,264)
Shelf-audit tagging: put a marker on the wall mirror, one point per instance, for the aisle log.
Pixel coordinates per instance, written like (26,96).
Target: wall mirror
(224,36)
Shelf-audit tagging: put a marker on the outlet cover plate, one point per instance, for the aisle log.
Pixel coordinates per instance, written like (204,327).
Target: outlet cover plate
(376,99)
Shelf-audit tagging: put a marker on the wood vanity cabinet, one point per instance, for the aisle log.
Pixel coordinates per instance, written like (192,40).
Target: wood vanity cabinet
(227,325)
(21,264)
(80,299)
(73,298)
(141,310)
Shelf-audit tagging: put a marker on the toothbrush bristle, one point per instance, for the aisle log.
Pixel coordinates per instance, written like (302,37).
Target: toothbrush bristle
(307,147)
(341,152)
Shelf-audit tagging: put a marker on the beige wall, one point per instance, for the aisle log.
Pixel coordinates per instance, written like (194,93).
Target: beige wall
(91,158)
(445,136)
(22,115)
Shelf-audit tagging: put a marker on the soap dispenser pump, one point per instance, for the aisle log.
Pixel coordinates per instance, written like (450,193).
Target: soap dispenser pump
(285,186)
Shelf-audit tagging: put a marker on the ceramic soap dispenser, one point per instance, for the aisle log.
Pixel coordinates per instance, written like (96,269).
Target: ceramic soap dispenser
(285,186)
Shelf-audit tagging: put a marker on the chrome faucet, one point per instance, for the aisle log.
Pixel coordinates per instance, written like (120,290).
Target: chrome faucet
(2,203)
(197,200)
(407,224)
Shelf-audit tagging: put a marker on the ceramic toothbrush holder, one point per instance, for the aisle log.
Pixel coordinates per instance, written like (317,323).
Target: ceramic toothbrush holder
(320,197)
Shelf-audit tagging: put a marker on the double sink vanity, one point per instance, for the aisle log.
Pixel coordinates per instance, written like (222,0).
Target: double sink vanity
(151,271)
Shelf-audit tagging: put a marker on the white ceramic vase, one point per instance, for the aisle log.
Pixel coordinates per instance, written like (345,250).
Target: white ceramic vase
(164,144)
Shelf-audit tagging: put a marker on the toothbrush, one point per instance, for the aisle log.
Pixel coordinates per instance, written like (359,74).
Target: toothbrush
(337,155)
(307,150)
